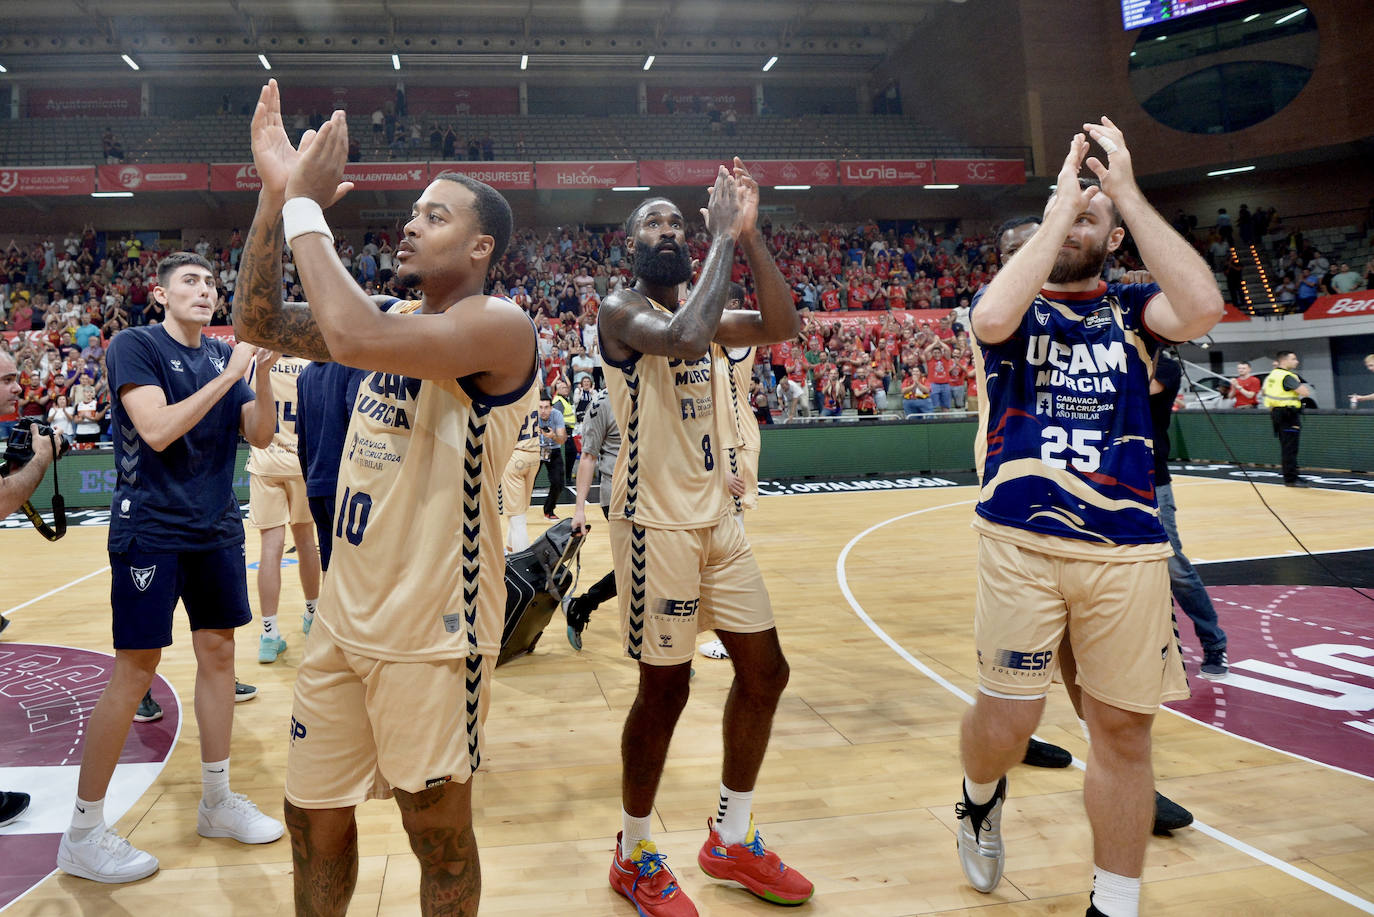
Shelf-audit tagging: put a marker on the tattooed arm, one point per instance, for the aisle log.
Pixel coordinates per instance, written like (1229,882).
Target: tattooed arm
(629,324)
(260,316)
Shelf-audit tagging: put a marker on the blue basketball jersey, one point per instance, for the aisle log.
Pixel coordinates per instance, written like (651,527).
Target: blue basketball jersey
(1069,439)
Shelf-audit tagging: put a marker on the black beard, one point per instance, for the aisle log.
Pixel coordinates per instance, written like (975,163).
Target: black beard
(663,268)
(1071,268)
(411,281)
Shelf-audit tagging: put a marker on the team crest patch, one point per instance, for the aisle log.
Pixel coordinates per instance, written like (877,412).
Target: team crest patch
(217,363)
(143,576)
(1042,317)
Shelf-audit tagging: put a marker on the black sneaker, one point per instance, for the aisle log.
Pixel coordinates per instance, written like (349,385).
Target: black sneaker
(1092,910)
(1169,815)
(1213,664)
(243,692)
(148,711)
(577,621)
(12,805)
(4,623)
(1043,754)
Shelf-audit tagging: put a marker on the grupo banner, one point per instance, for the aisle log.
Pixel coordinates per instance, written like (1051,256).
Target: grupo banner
(886,172)
(234,176)
(171,176)
(980,171)
(47,180)
(1344,305)
(502,175)
(585,175)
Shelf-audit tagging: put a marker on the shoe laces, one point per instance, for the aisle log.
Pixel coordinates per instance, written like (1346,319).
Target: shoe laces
(649,863)
(756,845)
(113,844)
(970,809)
(239,803)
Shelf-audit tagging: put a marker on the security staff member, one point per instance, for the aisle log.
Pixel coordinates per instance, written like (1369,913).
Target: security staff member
(1283,394)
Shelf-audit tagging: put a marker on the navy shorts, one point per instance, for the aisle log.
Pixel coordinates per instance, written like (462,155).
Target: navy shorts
(145,587)
(322,511)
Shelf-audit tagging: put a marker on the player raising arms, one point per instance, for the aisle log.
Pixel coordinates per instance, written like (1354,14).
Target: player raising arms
(683,565)
(1070,536)
(411,614)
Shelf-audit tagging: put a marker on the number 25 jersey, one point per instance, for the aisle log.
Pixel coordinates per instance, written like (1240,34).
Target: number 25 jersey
(1069,440)
(667,474)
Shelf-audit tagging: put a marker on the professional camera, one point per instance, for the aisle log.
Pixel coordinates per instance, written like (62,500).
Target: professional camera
(19,448)
(18,453)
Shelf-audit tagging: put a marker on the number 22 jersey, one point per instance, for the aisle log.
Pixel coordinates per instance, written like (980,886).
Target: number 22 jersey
(1070,451)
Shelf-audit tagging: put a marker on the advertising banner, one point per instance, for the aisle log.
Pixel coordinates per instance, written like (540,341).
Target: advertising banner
(585,175)
(1346,305)
(234,176)
(887,172)
(500,175)
(172,176)
(47,180)
(688,99)
(980,171)
(84,103)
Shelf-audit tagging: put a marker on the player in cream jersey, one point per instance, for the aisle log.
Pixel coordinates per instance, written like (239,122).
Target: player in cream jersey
(682,565)
(734,369)
(390,695)
(276,499)
(517,479)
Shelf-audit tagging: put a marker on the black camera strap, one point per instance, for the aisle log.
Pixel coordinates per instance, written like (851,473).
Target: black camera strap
(59,505)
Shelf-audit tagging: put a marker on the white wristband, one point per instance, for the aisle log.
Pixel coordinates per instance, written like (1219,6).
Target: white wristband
(301,215)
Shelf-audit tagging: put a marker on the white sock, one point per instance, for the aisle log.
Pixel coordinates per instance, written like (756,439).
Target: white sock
(519,538)
(1083,724)
(310,608)
(269,626)
(86,817)
(1115,896)
(214,781)
(633,829)
(732,817)
(980,793)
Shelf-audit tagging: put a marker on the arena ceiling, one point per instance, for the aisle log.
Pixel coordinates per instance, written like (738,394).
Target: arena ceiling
(564,39)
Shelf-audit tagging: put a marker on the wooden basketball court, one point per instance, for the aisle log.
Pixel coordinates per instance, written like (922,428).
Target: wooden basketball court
(859,785)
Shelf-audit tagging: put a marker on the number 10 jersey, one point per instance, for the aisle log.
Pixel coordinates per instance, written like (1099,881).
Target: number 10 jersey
(1070,450)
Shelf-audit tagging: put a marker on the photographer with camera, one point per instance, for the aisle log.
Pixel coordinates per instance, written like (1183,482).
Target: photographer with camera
(553,432)
(31,448)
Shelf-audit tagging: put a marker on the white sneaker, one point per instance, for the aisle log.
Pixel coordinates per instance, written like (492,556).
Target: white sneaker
(714,650)
(104,856)
(238,818)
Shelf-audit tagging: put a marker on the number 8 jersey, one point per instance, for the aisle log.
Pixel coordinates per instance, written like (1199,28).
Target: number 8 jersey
(667,475)
(1070,450)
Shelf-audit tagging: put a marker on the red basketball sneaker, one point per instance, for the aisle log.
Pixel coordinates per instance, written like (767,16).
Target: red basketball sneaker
(754,867)
(646,880)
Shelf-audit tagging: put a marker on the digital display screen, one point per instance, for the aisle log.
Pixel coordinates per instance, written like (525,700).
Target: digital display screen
(1139,13)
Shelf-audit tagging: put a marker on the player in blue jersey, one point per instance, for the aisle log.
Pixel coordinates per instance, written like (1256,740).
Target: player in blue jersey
(1070,537)
(325,395)
(176,533)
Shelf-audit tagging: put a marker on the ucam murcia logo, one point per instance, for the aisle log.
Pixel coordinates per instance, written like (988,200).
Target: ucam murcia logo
(1042,317)
(217,363)
(143,576)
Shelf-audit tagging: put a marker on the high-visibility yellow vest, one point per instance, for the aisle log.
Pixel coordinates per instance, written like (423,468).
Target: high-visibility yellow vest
(1275,395)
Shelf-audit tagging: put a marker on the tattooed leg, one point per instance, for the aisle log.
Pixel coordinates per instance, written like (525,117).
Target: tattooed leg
(439,822)
(324,849)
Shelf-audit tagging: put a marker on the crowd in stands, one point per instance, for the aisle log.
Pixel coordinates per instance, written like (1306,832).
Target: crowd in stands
(907,351)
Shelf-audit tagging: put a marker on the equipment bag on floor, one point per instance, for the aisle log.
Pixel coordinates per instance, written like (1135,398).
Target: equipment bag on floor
(537,578)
